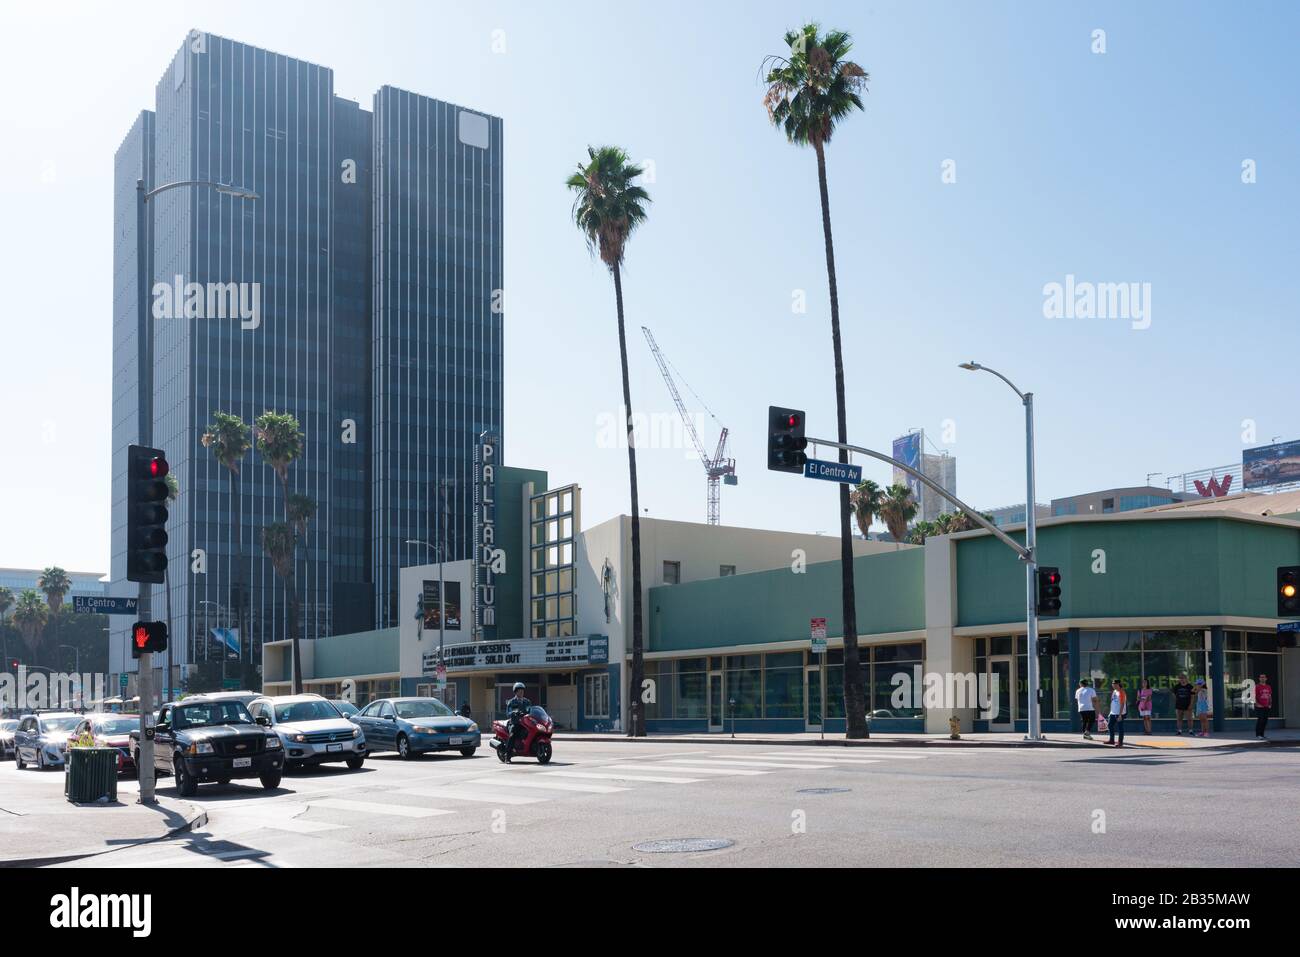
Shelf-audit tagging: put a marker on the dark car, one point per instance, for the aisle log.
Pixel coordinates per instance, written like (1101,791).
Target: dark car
(111,731)
(415,726)
(201,740)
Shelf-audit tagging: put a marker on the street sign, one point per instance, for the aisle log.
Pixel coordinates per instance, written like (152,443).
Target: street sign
(833,471)
(817,629)
(229,684)
(1288,626)
(122,682)
(87,605)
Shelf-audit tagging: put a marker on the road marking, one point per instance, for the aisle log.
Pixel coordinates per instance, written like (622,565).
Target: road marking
(456,793)
(535,781)
(367,807)
(303,827)
(729,763)
(839,760)
(688,769)
(625,777)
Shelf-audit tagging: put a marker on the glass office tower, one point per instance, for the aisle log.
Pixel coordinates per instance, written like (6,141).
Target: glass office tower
(355,292)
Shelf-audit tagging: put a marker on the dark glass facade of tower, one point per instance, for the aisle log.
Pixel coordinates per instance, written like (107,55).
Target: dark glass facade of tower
(365,268)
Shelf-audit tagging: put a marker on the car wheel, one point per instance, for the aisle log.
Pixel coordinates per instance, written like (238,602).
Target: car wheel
(18,759)
(404,749)
(468,752)
(40,760)
(270,781)
(186,785)
(354,764)
(543,752)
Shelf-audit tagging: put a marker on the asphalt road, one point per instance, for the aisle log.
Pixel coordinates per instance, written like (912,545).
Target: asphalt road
(881,807)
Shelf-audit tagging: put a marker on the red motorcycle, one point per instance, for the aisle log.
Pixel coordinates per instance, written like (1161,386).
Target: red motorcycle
(534,741)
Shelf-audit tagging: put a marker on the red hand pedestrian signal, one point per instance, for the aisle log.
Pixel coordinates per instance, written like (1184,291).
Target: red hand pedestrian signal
(148,637)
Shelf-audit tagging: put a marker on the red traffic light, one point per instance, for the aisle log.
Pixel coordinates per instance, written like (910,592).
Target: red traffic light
(792,421)
(1053,577)
(158,468)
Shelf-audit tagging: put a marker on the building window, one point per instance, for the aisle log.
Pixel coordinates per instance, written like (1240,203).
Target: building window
(1108,505)
(553,525)
(595,695)
(783,675)
(672,573)
(1246,656)
(744,686)
(726,571)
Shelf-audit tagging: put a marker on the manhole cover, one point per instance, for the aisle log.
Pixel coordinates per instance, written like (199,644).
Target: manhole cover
(823,790)
(683,845)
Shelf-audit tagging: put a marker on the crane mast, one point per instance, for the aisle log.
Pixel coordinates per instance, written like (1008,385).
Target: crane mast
(718,468)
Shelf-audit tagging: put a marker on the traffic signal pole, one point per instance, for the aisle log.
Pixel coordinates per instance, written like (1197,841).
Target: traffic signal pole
(144,664)
(1035,722)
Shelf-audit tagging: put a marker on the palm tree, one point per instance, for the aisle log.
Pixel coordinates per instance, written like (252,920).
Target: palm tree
(865,501)
(6,602)
(279,542)
(607,208)
(302,509)
(920,532)
(30,615)
(228,439)
(808,92)
(898,508)
(280,443)
(54,581)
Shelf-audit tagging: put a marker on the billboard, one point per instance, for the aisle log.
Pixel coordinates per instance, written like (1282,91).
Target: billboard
(431,606)
(1271,464)
(907,449)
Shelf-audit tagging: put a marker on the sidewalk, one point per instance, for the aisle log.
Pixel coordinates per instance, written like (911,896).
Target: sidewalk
(1283,738)
(39,826)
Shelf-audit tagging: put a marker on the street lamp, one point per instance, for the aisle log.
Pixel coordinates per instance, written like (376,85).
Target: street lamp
(1031,561)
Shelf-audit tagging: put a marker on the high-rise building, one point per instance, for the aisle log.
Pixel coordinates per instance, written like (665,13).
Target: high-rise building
(358,290)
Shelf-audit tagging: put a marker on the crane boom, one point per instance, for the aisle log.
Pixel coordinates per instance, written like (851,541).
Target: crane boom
(716,467)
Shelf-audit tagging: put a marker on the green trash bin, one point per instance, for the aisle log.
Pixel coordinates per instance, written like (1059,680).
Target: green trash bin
(91,775)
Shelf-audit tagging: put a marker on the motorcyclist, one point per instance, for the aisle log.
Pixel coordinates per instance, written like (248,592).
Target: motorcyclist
(516,708)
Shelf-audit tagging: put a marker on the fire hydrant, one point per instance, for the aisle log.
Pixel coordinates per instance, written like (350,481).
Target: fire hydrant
(954,728)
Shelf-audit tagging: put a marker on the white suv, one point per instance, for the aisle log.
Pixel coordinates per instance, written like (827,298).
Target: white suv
(312,730)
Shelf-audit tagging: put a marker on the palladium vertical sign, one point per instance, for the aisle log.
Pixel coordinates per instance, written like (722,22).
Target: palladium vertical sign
(489,560)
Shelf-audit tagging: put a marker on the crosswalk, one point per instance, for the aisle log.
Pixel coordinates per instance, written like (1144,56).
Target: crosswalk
(319,808)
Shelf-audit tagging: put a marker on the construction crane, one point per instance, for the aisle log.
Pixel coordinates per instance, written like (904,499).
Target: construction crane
(717,467)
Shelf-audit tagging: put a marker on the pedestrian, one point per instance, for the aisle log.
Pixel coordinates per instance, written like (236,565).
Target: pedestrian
(1144,705)
(1086,699)
(1263,706)
(1118,708)
(1203,709)
(1183,695)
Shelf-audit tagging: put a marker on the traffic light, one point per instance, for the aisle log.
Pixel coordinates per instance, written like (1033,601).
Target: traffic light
(13,665)
(146,498)
(785,440)
(1049,591)
(1288,591)
(148,637)
(1049,645)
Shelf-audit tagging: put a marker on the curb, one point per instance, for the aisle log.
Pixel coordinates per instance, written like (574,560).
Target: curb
(198,818)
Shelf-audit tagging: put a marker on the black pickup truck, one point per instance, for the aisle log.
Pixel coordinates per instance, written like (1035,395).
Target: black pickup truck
(202,740)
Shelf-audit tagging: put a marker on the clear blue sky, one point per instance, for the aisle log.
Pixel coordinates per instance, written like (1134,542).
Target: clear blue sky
(1118,167)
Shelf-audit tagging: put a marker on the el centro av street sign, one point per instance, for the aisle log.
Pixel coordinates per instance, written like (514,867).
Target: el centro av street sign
(88,605)
(832,471)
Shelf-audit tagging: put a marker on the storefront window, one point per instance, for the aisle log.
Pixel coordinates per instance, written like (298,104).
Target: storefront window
(744,686)
(888,662)
(1249,655)
(692,679)
(783,685)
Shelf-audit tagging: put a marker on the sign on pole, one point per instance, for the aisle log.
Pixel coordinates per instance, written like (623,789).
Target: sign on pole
(1284,626)
(88,605)
(818,631)
(833,471)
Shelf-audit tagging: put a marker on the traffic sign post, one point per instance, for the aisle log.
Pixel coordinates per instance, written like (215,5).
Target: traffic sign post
(817,631)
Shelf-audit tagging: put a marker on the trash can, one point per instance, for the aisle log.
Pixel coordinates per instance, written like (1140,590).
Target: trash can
(91,775)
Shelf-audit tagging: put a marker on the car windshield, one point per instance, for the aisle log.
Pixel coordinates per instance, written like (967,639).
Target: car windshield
(212,713)
(60,724)
(539,713)
(8,725)
(346,707)
(304,711)
(122,725)
(424,708)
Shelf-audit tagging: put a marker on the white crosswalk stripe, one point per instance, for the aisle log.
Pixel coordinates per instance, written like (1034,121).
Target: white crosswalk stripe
(368,807)
(731,763)
(458,792)
(699,768)
(838,759)
(536,781)
(630,776)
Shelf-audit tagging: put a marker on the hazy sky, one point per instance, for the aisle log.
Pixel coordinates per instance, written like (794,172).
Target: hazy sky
(1122,166)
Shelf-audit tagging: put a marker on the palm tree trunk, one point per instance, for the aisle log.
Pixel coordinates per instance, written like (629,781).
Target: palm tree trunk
(237,570)
(292,591)
(636,716)
(855,710)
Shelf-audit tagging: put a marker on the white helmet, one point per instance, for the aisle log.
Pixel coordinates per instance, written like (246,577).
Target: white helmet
(519,686)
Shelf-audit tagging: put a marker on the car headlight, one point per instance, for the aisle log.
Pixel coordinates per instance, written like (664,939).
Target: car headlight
(298,738)
(200,747)
(419,730)
(473,726)
(356,732)
(272,742)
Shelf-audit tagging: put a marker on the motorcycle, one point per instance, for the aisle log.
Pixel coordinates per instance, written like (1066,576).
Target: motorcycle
(534,742)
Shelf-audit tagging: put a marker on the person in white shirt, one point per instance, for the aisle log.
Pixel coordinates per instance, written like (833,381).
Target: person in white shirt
(1086,698)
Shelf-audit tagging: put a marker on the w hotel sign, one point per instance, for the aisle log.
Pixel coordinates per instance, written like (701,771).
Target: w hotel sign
(489,559)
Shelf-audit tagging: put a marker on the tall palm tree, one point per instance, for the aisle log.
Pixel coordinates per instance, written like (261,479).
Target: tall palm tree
(865,501)
(607,207)
(54,581)
(30,615)
(809,91)
(899,508)
(280,442)
(228,440)
(6,602)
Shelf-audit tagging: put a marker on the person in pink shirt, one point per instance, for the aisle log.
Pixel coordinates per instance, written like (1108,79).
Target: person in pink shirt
(1144,705)
(1263,706)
